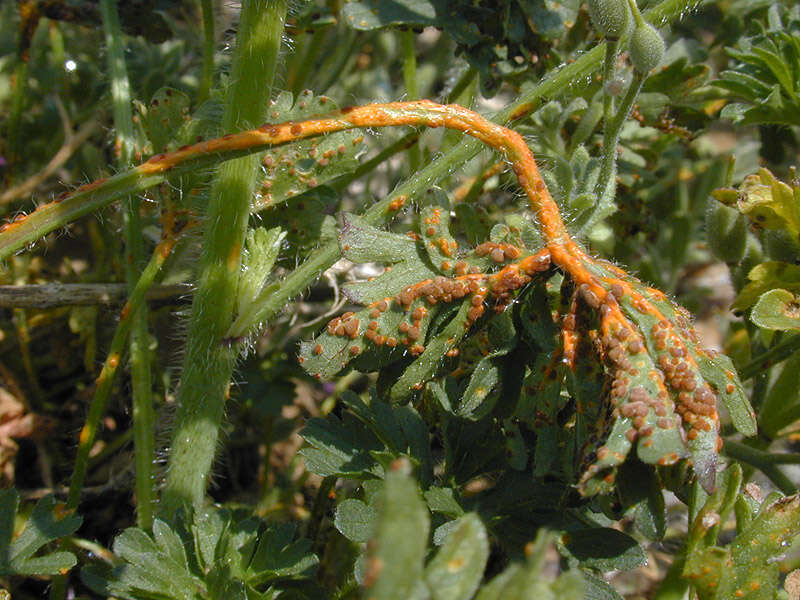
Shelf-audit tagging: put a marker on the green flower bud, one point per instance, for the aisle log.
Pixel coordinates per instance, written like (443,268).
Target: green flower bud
(609,17)
(726,231)
(646,48)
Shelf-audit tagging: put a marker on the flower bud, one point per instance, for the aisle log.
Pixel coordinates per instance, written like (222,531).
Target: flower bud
(726,232)
(609,17)
(646,48)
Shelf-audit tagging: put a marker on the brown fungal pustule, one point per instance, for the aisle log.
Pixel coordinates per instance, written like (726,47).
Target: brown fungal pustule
(636,346)
(413,333)
(474,314)
(354,350)
(391,342)
(405,297)
(483,249)
(497,255)
(664,423)
(318,349)
(589,296)
(633,410)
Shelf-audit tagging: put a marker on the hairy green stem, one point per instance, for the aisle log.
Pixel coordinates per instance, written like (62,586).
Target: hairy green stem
(207,76)
(607,183)
(609,72)
(209,363)
(141,377)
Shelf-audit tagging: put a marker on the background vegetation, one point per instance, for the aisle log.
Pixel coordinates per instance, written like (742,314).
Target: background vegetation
(159,437)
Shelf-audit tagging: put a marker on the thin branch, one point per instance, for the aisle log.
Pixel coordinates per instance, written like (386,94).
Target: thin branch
(53,295)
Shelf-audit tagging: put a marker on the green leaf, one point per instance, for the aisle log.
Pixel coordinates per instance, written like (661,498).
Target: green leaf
(719,371)
(726,231)
(777,310)
(47,523)
(278,556)
(395,560)
(477,401)
(434,227)
(294,168)
(219,558)
(428,363)
(166,113)
(262,247)
(457,569)
(747,567)
(523,581)
(598,589)
(340,448)
(604,549)
(442,500)
(640,490)
(374,15)
(355,520)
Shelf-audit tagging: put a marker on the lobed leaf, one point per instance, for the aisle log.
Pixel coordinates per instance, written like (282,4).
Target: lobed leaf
(777,310)
(295,168)
(48,522)
(215,557)
(745,568)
